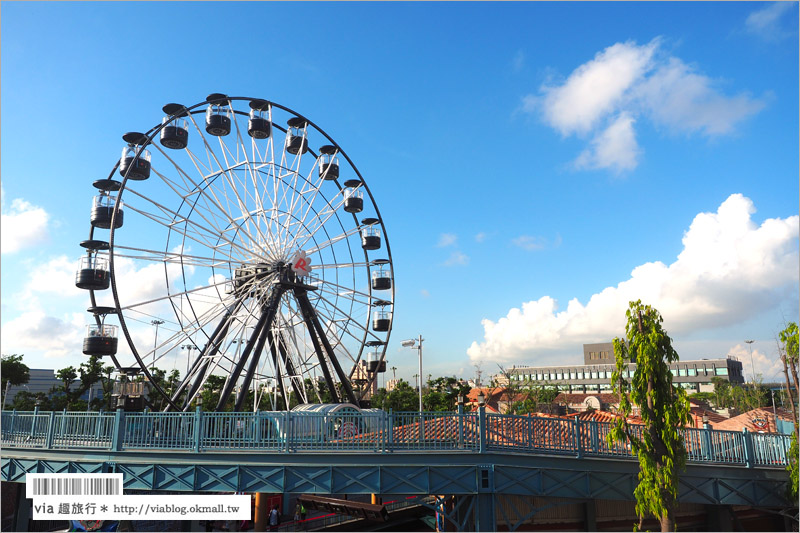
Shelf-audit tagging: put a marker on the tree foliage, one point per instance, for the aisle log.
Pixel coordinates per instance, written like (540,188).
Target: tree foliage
(443,394)
(402,398)
(789,340)
(743,398)
(13,371)
(524,396)
(663,408)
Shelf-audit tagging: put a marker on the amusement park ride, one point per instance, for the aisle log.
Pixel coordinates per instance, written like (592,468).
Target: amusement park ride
(261,258)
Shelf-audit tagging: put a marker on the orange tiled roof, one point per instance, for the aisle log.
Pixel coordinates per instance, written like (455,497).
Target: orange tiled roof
(698,412)
(761,419)
(580,397)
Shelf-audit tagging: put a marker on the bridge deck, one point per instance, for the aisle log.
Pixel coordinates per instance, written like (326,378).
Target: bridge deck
(390,453)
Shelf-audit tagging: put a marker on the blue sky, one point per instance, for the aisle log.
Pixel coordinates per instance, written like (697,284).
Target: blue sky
(536,165)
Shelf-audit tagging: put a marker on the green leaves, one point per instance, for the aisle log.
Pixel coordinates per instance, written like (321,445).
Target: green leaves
(663,409)
(789,338)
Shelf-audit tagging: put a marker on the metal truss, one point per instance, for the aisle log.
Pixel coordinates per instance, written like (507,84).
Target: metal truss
(446,474)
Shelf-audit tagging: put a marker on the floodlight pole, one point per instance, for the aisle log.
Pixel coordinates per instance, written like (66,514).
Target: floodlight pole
(156,322)
(752,367)
(419,349)
(417,343)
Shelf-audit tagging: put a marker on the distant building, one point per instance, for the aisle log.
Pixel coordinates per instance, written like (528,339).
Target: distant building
(595,375)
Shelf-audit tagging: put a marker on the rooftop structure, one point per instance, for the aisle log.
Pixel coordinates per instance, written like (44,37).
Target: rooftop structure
(595,375)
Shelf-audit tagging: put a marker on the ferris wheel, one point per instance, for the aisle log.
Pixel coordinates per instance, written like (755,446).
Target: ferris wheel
(244,232)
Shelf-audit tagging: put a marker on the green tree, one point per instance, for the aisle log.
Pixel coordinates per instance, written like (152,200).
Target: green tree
(514,394)
(210,393)
(789,355)
(402,398)
(66,396)
(442,394)
(108,388)
(13,372)
(664,409)
(26,401)
(92,375)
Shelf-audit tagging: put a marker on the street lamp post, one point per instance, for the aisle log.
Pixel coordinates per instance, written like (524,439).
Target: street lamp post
(189,348)
(416,343)
(156,322)
(752,366)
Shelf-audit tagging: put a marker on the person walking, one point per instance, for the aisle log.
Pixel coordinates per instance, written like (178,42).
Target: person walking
(297,516)
(274,519)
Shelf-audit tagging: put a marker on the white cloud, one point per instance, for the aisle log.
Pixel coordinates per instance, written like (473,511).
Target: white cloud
(729,270)
(447,239)
(626,82)
(766,22)
(766,367)
(594,89)
(481,236)
(457,258)
(683,100)
(533,243)
(23,225)
(615,148)
(35,331)
(529,242)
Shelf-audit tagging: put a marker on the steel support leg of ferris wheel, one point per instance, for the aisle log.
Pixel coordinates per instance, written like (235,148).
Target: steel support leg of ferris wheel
(268,312)
(318,334)
(287,363)
(200,364)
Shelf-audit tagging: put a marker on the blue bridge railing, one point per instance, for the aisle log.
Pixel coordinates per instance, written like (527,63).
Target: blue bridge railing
(367,432)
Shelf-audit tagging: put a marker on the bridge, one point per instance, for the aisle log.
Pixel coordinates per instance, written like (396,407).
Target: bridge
(471,460)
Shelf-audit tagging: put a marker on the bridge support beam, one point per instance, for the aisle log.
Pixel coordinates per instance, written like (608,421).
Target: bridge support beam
(484,512)
(719,518)
(590,515)
(22,514)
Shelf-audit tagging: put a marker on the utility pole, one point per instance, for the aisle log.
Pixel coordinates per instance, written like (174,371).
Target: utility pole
(156,322)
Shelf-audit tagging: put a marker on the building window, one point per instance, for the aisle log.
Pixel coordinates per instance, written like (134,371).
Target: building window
(573,375)
(681,371)
(721,371)
(692,371)
(594,375)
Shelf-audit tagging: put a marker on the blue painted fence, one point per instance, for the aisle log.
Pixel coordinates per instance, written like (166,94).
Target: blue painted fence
(368,432)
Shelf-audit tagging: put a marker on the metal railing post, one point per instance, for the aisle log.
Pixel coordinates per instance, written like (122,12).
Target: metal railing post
(708,446)
(460,426)
(482,429)
(35,418)
(63,422)
(287,420)
(197,430)
(747,439)
(390,429)
(577,433)
(51,429)
(119,430)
